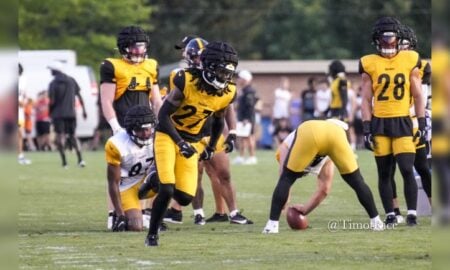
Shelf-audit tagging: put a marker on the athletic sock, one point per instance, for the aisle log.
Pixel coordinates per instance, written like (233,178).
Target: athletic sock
(397,211)
(412,212)
(199,212)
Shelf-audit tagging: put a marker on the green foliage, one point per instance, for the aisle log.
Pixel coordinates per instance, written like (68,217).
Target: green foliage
(61,223)
(88,27)
(269,29)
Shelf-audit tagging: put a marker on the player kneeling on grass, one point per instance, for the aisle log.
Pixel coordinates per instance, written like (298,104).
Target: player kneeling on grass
(129,156)
(312,148)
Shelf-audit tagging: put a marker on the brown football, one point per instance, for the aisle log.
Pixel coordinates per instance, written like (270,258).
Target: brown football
(296,220)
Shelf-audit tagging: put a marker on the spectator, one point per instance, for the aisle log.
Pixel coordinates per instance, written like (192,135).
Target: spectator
(323,99)
(43,121)
(282,131)
(28,110)
(308,100)
(246,118)
(281,102)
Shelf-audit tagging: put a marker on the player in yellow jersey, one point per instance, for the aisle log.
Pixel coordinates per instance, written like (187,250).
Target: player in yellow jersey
(389,80)
(308,150)
(128,81)
(197,95)
(409,42)
(129,156)
(339,90)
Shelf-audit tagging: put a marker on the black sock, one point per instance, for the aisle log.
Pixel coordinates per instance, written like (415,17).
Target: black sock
(281,193)
(160,206)
(362,190)
(397,211)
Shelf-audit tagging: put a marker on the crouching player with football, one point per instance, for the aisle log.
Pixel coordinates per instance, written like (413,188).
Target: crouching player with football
(129,156)
(312,148)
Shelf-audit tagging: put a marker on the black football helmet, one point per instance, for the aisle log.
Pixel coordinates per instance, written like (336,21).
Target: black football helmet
(386,36)
(138,119)
(193,50)
(335,68)
(219,61)
(133,43)
(408,38)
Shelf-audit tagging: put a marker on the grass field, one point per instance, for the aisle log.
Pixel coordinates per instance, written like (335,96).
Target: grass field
(62,225)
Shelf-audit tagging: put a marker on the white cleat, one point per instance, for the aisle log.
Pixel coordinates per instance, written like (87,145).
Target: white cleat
(270,228)
(400,219)
(238,160)
(377,225)
(24,161)
(251,161)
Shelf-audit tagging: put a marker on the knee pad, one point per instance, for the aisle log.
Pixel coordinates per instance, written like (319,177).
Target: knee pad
(182,197)
(166,190)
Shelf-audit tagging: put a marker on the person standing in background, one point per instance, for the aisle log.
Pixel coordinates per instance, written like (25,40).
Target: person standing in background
(246,118)
(282,99)
(339,90)
(308,100)
(43,121)
(322,99)
(21,117)
(62,92)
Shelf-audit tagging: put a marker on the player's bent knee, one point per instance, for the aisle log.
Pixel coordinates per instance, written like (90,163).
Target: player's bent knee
(182,197)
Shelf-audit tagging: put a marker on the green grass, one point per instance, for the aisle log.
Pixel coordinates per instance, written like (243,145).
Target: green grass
(62,225)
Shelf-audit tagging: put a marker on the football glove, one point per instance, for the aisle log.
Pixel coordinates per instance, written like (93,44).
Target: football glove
(208,153)
(229,143)
(120,224)
(421,133)
(369,143)
(186,149)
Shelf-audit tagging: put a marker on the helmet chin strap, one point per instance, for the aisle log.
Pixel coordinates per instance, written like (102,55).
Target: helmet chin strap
(139,142)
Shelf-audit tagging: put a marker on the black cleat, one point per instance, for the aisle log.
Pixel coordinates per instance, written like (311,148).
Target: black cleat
(199,220)
(173,216)
(240,219)
(151,240)
(391,220)
(163,227)
(411,220)
(217,218)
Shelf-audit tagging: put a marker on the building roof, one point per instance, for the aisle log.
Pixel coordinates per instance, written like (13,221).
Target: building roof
(279,66)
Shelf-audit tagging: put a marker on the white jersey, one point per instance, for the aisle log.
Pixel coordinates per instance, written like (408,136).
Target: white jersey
(134,161)
(310,169)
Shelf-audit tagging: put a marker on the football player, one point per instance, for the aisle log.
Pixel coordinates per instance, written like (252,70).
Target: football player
(128,81)
(197,95)
(218,168)
(409,42)
(339,86)
(389,79)
(129,156)
(312,148)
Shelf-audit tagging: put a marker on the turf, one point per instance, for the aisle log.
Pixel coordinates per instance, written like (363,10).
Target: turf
(62,225)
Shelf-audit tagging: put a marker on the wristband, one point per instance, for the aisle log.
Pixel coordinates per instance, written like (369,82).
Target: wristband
(114,124)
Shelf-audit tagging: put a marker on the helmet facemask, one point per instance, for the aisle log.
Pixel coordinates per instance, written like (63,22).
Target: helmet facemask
(142,135)
(136,52)
(387,44)
(219,75)
(192,52)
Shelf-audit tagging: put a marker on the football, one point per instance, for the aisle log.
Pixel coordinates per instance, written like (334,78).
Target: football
(296,220)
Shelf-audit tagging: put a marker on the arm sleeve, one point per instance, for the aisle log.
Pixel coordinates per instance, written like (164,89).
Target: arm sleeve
(112,153)
(216,130)
(165,124)
(107,72)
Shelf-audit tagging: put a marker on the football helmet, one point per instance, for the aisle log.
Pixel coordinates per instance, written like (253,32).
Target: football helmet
(408,39)
(193,50)
(219,61)
(139,123)
(335,68)
(386,36)
(133,43)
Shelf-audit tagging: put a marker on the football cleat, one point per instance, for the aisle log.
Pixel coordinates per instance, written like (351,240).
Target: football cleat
(411,220)
(217,218)
(400,219)
(391,220)
(270,228)
(240,219)
(173,216)
(151,240)
(199,220)
(377,225)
